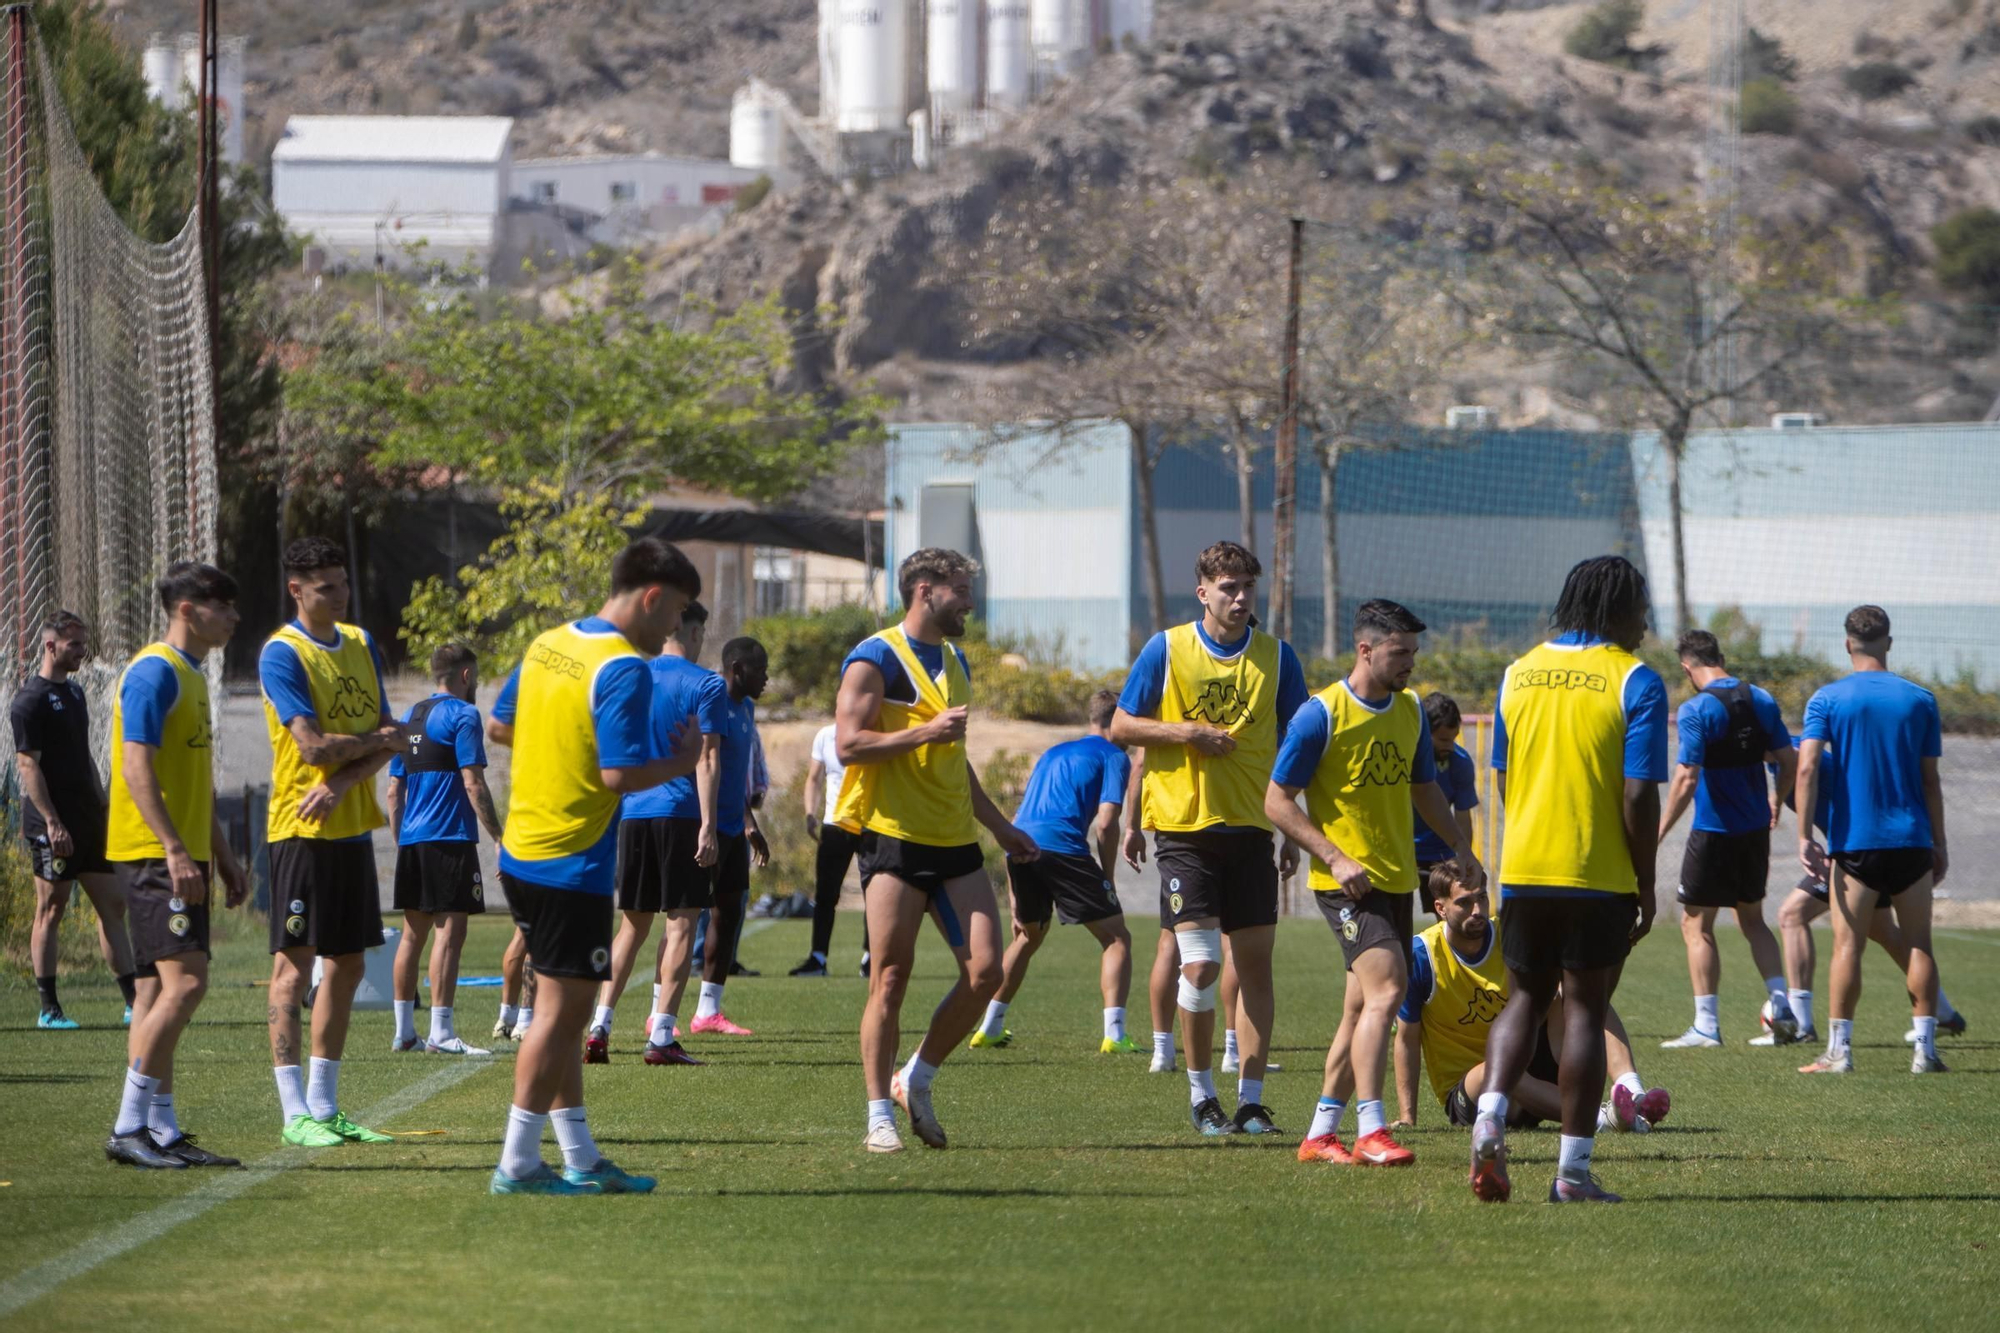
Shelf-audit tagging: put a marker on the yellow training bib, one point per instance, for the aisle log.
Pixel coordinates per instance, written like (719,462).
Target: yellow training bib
(1185,790)
(560,805)
(923,795)
(346,702)
(1465,999)
(181,763)
(1360,793)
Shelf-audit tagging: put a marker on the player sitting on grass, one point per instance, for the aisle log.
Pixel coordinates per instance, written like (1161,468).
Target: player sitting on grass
(1071,809)
(1458,982)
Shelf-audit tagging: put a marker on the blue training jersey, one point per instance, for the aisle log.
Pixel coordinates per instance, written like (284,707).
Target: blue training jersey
(1878,729)
(435,806)
(1067,785)
(680,690)
(1458,779)
(739,751)
(1729,800)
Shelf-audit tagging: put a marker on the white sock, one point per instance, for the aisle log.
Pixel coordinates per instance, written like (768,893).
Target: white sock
(134,1102)
(1326,1118)
(656,997)
(1630,1082)
(1927,1037)
(323,1089)
(1114,1024)
(406,1020)
(527,1017)
(1229,1055)
(1707,1019)
(510,1014)
(442,1029)
(602,1019)
(291,1091)
(996,1019)
(1163,1045)
(1840,1032)
(1201,1086)
(1249,1090)
(578,1149)
(1945,1011)
(663,1030)
(917,1074)
(1368,1117)
(882,1112)
(1801,1008)
(1493,1104)
(711,1000)
(160,1119)
(1574,1164)
(521,1152)
(1776,987)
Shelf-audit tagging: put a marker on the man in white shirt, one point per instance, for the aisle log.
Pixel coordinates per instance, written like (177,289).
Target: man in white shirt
(836,851)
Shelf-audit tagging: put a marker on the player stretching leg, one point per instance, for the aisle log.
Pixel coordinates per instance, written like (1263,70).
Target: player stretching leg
(580,705)
(1880,737)
(1210,701)
(437,802)
(1361,752)
(1070,809)
(331,731)
(900,728)
(1579,747)
(1728,732)
(162,832)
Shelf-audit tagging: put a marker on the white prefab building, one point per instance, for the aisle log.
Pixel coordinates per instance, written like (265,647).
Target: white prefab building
(642,190)
(415,189)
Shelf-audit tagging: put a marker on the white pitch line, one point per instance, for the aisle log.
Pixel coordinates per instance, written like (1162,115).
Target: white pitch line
(44,1278)
(1969,939)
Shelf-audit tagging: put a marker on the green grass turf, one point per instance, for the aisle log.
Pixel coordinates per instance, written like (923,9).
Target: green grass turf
(1075,1195)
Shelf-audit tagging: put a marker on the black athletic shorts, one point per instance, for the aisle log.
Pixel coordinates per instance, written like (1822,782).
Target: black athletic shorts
(1381,920)
(1227,873)
(439,877)
(1065,884)
(1578,933)
(657,871)
(86,856)
(324,896)
(1814,887)
(732,866)
(917,864)
(1887,870)
(568,932)
(1724,869)
(160,924)
(1461,1108)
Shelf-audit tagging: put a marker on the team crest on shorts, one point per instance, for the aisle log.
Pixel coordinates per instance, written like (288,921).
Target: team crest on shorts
(1174,901)
(295,925)
(600,957)
(178,923)
(57,866)
(1349,929)
(298,904)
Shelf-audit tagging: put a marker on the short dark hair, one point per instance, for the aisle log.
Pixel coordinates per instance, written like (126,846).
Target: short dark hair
(694,614)
(309,553)
(1700,647)
(650,562)
(1379,616)
(1439,882)
(932,564)
(1103,707)
(61,623)
(1219,558)
(1598,593)
(1441,711)
(448,659)
(191,581)
(743,649)
(1867,624)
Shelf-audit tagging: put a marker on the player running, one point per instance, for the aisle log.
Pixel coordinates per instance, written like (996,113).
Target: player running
(900,723)
(837,845)
(1070,809)
(1579,748)
(667,847)
(162,834)
(1210,701)
(1361,752)
(63,814)
(1457,778)
(438,800)
(1880,737)
(580,704)
(1457,984)
(331,731)
(1728,732)
(740,842)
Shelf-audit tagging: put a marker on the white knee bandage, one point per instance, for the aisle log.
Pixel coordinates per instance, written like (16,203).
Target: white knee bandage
(1197,999)
(1199,946)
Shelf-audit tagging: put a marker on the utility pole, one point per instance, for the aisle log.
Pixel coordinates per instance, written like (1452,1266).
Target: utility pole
(1284,506)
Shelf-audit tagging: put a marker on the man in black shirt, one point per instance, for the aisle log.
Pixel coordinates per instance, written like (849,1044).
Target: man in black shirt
(62,812)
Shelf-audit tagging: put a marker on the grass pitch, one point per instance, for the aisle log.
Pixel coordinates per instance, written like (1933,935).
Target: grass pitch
(1075,1195)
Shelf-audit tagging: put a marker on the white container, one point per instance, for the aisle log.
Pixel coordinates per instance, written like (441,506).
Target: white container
(756,130)
(1009,55)
(162,66)
(872,48)
(1060,31)
(952,61)
(229,55)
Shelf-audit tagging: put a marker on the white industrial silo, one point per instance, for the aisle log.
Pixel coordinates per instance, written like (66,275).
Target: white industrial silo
(872,48)
(1128,19)
(229,55)
(1009,55)
(1060,30)
(756,130)
(952,63)
(162,67)
(829,58)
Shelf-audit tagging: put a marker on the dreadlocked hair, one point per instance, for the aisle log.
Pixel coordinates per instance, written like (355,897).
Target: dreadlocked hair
(1598,594)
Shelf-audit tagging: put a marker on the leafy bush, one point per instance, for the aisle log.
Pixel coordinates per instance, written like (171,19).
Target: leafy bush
(1768,107)
(1968,250)
(806,650)
(1876,79)
(1605,35)
(1766,58)
(751,195)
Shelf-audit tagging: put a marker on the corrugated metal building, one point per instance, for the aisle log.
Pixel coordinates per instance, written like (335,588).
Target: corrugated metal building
(653,188)
(359,184)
